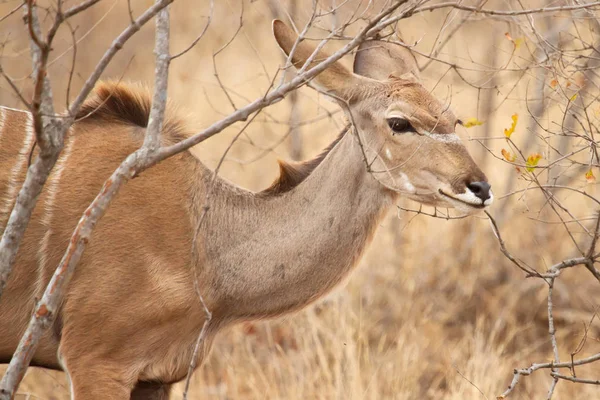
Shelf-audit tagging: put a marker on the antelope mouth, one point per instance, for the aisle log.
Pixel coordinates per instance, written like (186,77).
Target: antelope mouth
(480,206)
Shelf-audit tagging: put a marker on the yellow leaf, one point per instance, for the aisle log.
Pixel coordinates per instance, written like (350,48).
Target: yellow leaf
(572,99)
(589,176)
(553,83)
(509,131)
(508,156)
(533,161)
(471,122)
(518,42)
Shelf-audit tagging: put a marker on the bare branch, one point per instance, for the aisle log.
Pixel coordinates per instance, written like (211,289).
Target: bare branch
(47,307)
(576,380)
(201,35)
(519,264)
(116,45)
(161,76)
(79,8)
(49,133)
(534,367)
(478,10)
(11,12)
(52,131)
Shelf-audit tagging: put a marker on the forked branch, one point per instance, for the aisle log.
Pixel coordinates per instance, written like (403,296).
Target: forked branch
(50,128)
(46,308)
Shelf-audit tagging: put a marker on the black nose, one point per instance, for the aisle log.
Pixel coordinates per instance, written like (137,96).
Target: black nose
(480,189)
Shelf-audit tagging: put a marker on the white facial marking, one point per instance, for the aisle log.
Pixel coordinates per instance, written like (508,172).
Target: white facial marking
(388,153)
(490,200)
(465,202)
(395,114)
(443,137)
(404,183)
(399,110)
(469,197)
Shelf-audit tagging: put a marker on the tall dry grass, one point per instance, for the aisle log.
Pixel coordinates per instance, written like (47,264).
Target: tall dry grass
(434,310)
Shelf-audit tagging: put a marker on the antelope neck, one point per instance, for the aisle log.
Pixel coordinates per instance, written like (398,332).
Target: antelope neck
(272,255)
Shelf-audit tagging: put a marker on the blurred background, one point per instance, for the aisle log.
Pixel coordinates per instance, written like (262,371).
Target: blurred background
(434,310)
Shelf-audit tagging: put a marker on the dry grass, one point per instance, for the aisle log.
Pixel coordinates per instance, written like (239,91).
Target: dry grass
(434,310)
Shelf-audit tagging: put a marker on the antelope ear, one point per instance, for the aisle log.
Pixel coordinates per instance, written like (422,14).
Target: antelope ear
(381,60)
(336,79)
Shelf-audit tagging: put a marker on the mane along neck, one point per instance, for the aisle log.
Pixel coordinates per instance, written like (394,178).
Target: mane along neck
(291,174)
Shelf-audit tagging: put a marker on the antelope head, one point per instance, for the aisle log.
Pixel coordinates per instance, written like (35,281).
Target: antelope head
(408,136)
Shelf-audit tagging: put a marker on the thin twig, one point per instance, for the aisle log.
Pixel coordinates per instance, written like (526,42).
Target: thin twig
(46,308)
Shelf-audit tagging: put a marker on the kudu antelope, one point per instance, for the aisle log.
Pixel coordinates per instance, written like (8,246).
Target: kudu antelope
(131,316)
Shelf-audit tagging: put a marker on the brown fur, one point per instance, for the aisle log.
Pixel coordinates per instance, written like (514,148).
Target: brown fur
(291,174)
(112,102)
(131,315)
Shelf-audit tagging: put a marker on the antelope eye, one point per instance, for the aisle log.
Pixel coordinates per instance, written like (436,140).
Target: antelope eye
(400,125)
